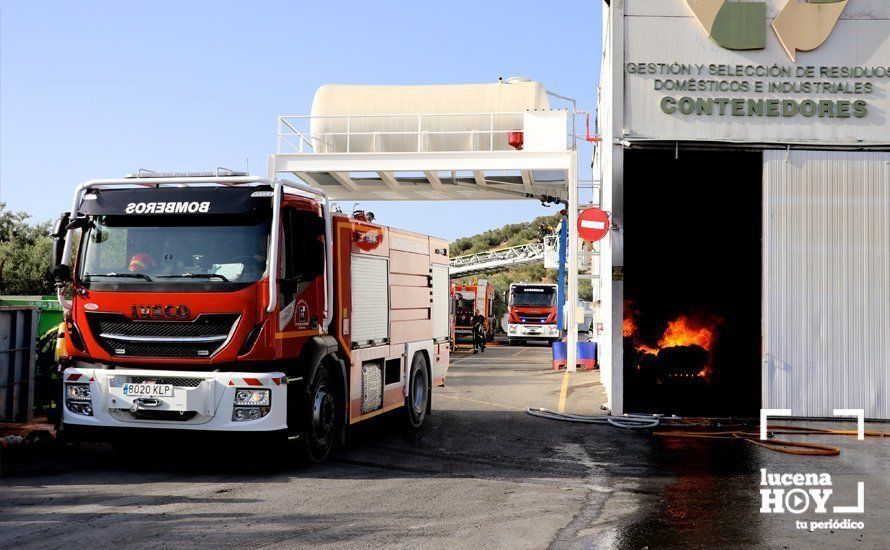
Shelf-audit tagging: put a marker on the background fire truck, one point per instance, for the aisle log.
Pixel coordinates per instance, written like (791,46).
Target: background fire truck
(469,298)
(531,312)
(230,303)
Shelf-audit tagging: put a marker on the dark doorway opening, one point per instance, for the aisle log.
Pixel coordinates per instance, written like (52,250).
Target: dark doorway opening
(692,282)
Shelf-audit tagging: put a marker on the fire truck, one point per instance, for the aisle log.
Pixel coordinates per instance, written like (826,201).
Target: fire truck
(222,302)
(531,312)
(468,299)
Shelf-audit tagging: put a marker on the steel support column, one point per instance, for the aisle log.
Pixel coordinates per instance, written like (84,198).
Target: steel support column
(561,277)
(572,222)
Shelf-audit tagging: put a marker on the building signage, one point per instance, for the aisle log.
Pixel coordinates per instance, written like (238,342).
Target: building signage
(745,77)
(809,91)
(801,24)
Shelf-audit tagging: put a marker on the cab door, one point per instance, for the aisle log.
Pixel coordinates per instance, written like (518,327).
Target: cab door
(300,278)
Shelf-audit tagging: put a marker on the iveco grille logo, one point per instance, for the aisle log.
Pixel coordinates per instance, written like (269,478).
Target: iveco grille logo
(160,312)
(172,207)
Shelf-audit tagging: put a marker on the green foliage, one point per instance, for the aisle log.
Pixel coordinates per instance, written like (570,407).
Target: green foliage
(24,254)
(510,235)
(47,381)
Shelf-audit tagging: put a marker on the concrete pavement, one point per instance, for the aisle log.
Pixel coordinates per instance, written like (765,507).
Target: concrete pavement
(481,473)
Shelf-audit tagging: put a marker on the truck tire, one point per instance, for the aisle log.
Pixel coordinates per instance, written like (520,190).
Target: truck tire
(321,411)
(417,401)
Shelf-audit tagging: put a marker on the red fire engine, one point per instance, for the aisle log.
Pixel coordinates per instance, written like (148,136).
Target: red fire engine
(468,299)
(532,310)
(231,303)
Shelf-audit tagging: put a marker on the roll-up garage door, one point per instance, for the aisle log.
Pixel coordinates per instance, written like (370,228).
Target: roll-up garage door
(826,261)
(370,299)
(440,302)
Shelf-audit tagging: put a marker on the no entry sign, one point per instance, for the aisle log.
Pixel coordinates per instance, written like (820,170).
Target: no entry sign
(593,224)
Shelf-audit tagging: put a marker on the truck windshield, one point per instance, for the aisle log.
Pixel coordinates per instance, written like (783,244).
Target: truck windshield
(175,249)
(534,297)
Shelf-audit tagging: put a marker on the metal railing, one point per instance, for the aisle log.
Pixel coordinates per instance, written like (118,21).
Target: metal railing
(410,133)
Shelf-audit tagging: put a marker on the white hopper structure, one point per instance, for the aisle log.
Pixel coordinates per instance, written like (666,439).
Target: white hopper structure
(449,142)
(384,118)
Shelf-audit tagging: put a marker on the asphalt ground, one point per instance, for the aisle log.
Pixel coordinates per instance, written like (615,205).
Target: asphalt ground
(480,474)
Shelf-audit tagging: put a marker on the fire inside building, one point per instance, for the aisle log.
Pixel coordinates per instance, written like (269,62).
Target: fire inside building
(692,270)
(745,163)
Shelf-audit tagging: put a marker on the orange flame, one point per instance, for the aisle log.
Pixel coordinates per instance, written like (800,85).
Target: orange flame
(629,327)
(643,348)
(685,330)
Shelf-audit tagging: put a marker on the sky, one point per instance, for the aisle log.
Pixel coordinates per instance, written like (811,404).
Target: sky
(94,89)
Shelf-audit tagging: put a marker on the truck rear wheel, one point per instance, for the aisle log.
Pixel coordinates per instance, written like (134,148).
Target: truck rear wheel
(418,397)
(322,416)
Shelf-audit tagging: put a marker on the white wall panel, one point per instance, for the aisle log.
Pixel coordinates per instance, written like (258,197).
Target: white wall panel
(826,312)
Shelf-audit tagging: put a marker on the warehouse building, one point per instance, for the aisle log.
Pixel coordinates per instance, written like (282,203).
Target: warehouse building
(745,160)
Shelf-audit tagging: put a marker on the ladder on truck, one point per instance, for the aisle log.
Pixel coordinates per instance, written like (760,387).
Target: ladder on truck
(496,260)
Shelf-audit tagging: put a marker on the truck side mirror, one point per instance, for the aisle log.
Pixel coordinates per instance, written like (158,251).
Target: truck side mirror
(60,272)
(315,259)
(306,260)
(317,225)
(506,293)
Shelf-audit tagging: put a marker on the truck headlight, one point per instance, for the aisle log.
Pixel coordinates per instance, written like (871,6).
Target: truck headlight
(251,397)
(78,399)
(77,392)
(251,404)
(240,414)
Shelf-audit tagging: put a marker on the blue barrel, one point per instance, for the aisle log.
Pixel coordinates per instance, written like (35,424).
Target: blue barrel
(587,355)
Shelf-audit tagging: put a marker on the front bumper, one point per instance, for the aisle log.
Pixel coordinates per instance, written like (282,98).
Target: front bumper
(529,332)
(201,401)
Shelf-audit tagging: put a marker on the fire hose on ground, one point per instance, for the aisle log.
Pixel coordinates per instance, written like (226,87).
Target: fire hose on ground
(681,428)
(627,422)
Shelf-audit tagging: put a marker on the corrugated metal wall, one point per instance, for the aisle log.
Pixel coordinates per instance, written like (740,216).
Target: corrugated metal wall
(18,337)
(826,253)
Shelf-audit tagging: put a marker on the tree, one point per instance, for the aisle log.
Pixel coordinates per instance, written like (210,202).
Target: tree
(24,254)
(504,237)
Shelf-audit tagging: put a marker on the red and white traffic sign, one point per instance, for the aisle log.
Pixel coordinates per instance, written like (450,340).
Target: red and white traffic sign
(593,224)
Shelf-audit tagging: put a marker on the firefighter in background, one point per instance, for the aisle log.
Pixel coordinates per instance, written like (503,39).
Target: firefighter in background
(544,230)
(478,332)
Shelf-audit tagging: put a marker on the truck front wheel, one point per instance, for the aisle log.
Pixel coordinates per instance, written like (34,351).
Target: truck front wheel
(418,391)
(322,410)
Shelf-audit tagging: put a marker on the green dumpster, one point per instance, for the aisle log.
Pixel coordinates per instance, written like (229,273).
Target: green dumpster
(50,309)
(45,387)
